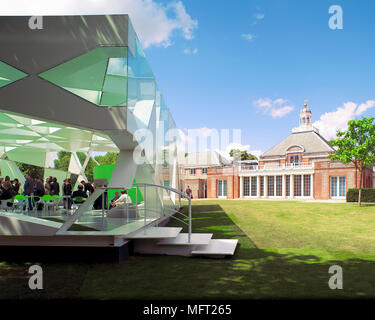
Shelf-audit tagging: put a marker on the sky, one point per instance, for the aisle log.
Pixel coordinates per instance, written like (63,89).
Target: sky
(249,64)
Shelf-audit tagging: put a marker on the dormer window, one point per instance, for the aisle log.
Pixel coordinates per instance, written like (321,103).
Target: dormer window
(294,159)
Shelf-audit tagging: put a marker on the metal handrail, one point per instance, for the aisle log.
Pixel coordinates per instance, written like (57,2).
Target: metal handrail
(180,193)
(101,190)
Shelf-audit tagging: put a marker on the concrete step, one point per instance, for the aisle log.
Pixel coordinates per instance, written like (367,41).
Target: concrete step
(182,239)
(154,233)
(217,248)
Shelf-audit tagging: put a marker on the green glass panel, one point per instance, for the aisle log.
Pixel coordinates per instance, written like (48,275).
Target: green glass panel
(9,74)
(99,76)
(105,172)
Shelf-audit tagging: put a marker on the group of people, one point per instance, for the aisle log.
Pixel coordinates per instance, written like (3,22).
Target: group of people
(38,188)
(8,188)
(51,186)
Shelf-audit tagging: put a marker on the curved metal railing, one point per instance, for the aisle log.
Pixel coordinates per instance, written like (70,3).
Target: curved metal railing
(87,205)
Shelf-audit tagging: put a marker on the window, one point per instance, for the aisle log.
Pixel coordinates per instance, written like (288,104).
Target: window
(294,159)
(192,172)
(271,191)
(338,187)
(279,186)
(261,186)
(342,187)
(222,188)
(246,187)
(306,185)
(253,186)
(297,185)
(287,185)
(204,170)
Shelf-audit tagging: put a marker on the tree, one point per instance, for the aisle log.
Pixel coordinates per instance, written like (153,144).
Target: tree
(108,158)
(242,155)
(33,171)
(356,145)
(62,161)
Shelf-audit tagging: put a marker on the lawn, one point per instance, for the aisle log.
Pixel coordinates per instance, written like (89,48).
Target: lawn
(285,250)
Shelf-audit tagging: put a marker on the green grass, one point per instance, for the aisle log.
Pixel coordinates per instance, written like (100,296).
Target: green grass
(285,250)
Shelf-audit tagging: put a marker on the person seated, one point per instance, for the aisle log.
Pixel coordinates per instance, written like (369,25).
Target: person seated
(116,197)
(6,191)
(124,198)
(79,193)
(16,186)
(87,187)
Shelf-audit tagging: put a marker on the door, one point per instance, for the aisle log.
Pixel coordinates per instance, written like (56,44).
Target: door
(222,188)
(338,187)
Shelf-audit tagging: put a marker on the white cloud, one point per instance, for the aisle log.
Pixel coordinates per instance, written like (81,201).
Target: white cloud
(154,22)
(259,16)
(190,51)
(330,122)
(248,36)
(241,147)
(276,108)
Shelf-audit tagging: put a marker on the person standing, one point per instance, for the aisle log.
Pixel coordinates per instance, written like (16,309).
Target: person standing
(38,192)
(189,192)
(28,190)
(55,187)
(47,186)
(67,193)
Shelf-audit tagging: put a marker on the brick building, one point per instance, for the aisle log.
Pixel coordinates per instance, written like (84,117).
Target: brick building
(298,167)
(196,169)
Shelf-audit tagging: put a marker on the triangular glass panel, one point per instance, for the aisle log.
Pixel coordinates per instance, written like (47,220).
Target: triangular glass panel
(9,74)
(98,76)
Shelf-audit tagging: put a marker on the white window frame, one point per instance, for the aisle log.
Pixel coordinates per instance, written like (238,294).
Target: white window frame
(338,184)
(224,182)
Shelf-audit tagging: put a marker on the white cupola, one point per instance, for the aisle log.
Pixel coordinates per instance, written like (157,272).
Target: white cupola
(305,120)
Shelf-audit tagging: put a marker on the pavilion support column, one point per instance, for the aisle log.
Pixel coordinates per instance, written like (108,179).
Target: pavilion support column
(258,186)
(284,187)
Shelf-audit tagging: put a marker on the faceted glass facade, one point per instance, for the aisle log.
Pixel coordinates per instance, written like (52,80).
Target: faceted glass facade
(99,76)
(8,74)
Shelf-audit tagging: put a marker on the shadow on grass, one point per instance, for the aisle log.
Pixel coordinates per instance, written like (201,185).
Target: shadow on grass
(251,273)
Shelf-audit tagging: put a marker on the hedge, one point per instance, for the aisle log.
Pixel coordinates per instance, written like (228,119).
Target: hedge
(368,195)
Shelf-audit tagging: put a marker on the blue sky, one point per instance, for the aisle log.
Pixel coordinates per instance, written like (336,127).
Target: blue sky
(248,64)
(293,55)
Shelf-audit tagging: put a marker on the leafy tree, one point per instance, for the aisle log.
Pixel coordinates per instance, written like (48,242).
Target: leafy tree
(356,145)
(108,158)
(33,171)
(62,161)
(242,155)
